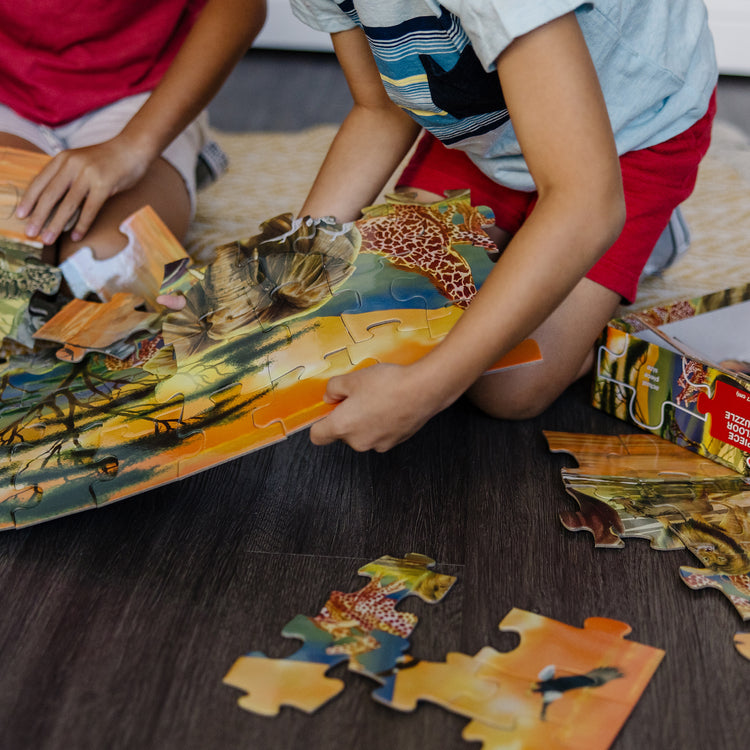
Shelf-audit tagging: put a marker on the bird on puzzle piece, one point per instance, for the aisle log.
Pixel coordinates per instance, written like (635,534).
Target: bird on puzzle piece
(362,627)
(592,676)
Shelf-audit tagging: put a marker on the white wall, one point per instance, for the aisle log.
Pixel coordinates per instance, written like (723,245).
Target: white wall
(729,20)
(730,24)
(284,31)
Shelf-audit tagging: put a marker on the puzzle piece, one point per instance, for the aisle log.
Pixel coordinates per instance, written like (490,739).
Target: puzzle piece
(296,400)
(263,283)
(362,627)
(562,687)
(455,685)
(596,517)
(18,168)
(736,588)
(90,326)
(271,683)
(262,330)
(66,461)
(668,500)
(423,238)
(742,643)
(22,273)
(137,269)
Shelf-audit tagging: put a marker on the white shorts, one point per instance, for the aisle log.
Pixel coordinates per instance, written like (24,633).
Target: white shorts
(102,124)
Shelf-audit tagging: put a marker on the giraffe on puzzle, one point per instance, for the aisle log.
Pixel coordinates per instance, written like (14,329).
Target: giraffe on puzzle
(422,238)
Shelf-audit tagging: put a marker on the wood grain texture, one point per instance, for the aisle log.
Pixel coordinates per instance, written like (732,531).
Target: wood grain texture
(118,624)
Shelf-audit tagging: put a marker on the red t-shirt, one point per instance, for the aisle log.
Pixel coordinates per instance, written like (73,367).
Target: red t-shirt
(59,60)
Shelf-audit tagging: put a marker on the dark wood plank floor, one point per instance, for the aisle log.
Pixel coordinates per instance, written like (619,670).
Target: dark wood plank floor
(118,624)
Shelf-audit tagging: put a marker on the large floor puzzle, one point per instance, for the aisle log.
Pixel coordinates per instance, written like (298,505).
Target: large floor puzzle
(562,688)
(644,487)
(102,400)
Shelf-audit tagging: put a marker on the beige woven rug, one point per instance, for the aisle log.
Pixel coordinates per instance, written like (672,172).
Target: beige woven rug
(271,173)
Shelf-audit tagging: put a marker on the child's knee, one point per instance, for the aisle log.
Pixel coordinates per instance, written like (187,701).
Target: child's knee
(517,394)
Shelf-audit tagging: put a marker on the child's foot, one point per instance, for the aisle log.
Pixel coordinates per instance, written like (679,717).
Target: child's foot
(673,243)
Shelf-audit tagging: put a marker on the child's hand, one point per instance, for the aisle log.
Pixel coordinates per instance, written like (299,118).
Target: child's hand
(73,186)
(378,407)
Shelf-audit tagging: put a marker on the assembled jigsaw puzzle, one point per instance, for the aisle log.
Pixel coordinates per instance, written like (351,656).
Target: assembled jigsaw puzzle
(644,487)
(102,400)
(563,687)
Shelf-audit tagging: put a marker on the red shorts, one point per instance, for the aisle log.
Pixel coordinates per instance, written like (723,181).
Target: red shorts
(656,180)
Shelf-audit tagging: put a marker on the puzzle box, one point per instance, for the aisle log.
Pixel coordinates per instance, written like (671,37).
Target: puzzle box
(682,372)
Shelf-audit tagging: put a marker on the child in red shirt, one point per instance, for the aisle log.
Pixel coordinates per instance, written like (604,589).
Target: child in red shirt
(112,90)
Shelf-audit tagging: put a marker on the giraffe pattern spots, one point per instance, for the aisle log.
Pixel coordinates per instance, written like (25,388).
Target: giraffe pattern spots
(355,615)
(422,238)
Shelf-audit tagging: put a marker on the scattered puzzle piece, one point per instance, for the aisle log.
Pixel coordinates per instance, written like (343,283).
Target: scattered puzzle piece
(137,269)
(90,326)
(668,495)
(735,587)
(271,683)
(742,642)
(563,687)
(363,627)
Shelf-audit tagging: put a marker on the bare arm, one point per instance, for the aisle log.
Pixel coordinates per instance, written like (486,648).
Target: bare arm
(370,144)
(87,177)
(557,108)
